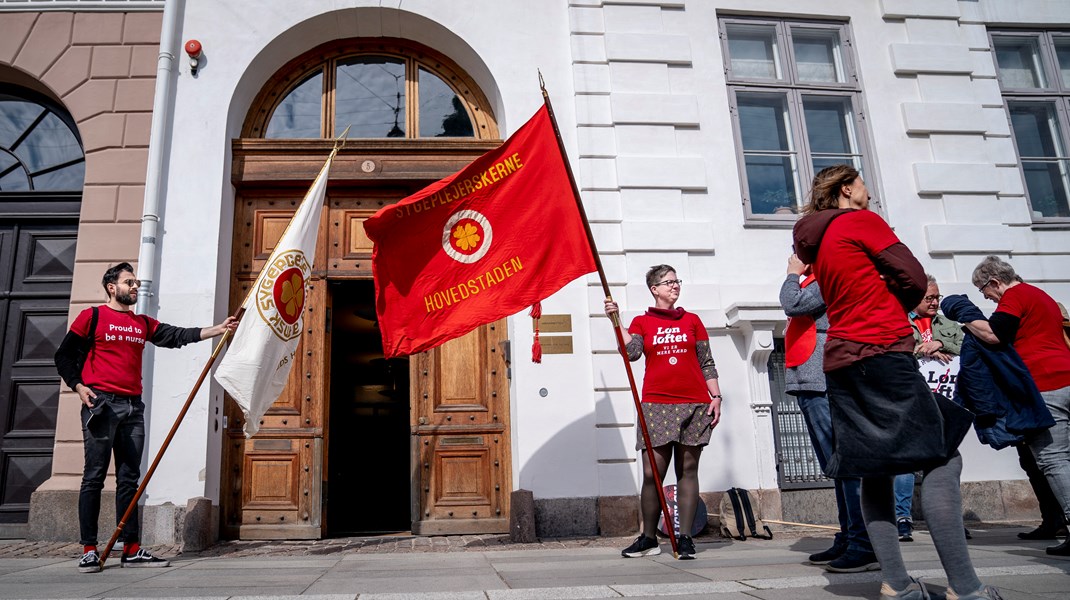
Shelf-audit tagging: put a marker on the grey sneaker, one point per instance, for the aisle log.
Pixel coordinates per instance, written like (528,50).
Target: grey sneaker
(90,562)
(915,591)
(986,592)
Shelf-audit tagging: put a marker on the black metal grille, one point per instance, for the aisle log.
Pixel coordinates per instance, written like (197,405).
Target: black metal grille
(797,465)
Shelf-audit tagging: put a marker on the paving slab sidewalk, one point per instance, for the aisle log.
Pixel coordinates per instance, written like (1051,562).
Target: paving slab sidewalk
(491,568)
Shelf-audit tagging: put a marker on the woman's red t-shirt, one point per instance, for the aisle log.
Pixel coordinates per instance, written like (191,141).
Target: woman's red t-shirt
(114,361)
(1040,335)
(861,308)
(673,374)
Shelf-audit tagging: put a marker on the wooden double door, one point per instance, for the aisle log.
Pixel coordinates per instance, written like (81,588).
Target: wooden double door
(358,444)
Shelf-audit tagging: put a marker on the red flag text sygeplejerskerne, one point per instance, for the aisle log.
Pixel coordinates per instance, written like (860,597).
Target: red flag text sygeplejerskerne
(496,237)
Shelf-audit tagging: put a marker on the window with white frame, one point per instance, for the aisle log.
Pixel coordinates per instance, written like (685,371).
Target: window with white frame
(1034,74)
(796,108)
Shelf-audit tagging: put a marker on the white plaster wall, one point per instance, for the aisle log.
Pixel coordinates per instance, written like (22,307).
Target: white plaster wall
(639,91)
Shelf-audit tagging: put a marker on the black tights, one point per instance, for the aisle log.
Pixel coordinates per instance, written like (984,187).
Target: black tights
(687,498)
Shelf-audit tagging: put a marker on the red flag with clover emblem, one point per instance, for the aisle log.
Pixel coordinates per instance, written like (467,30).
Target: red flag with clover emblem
(257,363)
(497,237)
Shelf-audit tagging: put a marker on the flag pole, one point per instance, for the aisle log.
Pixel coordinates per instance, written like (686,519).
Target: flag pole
(338,144)
(614,320)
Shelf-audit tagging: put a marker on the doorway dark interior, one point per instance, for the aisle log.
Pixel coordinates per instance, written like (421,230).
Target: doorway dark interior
(368,487)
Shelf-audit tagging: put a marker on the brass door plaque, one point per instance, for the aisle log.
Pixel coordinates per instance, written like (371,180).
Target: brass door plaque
(554,324)
(556,344)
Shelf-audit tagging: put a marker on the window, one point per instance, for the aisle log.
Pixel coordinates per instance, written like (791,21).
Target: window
(378,90)
(1034,74)
(796,109)
(39,145)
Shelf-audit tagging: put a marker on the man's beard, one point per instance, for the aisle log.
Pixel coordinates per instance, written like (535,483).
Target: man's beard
(129,299)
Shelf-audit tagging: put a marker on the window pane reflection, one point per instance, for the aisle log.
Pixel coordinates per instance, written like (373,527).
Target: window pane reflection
(1019,62)
(16,116)
(66,178)
(38,149)
(441,112)
(1062,54)
(1035,129)
(771,183)
(753,51)
(12,175)
(298,115)
(817,55)
(48,143)
(370,96)
(763,121)
(1047,183)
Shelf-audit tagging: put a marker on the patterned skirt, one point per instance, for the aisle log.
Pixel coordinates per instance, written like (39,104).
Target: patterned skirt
(685,424)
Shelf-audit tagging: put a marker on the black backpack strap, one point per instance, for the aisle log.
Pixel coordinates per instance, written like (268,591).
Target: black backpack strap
(733,496)
(93,326)
(745,500)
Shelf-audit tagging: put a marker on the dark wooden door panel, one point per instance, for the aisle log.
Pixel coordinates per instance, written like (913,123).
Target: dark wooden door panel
(36,266)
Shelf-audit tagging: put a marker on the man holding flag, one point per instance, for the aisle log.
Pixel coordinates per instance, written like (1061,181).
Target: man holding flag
(100,359)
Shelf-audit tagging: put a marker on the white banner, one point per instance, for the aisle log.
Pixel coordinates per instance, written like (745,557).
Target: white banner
(940,376)
(257,364)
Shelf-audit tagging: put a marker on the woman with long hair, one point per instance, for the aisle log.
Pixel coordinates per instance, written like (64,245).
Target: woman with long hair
(885,419)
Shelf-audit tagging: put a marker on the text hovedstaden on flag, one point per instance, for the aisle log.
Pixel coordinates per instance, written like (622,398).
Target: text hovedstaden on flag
(487,242)
(257,363)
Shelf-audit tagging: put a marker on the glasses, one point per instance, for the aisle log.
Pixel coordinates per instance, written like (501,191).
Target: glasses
(131,282)
(929,299)
(982,288)
(670,282)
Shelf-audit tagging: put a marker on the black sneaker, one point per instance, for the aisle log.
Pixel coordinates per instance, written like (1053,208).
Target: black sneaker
(685,547)
(642,546)
(827,556)
(90,562)
(142,558)
(854,562)
(906,530)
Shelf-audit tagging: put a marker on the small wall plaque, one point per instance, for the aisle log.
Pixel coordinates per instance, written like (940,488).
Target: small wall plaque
(556,344)
(554,324)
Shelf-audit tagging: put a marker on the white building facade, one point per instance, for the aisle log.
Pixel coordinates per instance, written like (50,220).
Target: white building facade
(693,128)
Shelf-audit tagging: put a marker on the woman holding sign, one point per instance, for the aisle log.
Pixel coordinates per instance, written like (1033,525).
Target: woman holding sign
(681,403)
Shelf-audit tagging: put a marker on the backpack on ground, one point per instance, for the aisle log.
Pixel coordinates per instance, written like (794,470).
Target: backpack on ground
(737,517)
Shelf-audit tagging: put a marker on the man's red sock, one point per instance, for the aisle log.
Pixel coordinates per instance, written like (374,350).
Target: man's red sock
(131,548)
(88,549)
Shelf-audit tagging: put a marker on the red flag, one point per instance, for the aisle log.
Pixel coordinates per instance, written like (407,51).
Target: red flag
(500,235)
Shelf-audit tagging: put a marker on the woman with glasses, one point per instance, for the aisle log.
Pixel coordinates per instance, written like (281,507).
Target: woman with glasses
(681,403)
(1030,319)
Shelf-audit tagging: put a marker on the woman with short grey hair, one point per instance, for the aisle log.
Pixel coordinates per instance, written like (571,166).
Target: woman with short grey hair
(1030,319)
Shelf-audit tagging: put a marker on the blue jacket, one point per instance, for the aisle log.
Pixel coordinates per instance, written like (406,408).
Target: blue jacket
(995,384)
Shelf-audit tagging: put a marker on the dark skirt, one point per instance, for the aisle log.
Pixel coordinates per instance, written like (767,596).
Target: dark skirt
(886,420)
(685,424)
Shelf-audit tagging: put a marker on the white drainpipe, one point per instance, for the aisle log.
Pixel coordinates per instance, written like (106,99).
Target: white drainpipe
(159,141)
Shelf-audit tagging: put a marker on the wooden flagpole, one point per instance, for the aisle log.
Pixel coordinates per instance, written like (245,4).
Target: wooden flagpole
(615,321)
(339,143)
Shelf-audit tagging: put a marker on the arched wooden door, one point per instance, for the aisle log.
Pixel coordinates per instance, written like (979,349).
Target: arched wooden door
(329,452)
